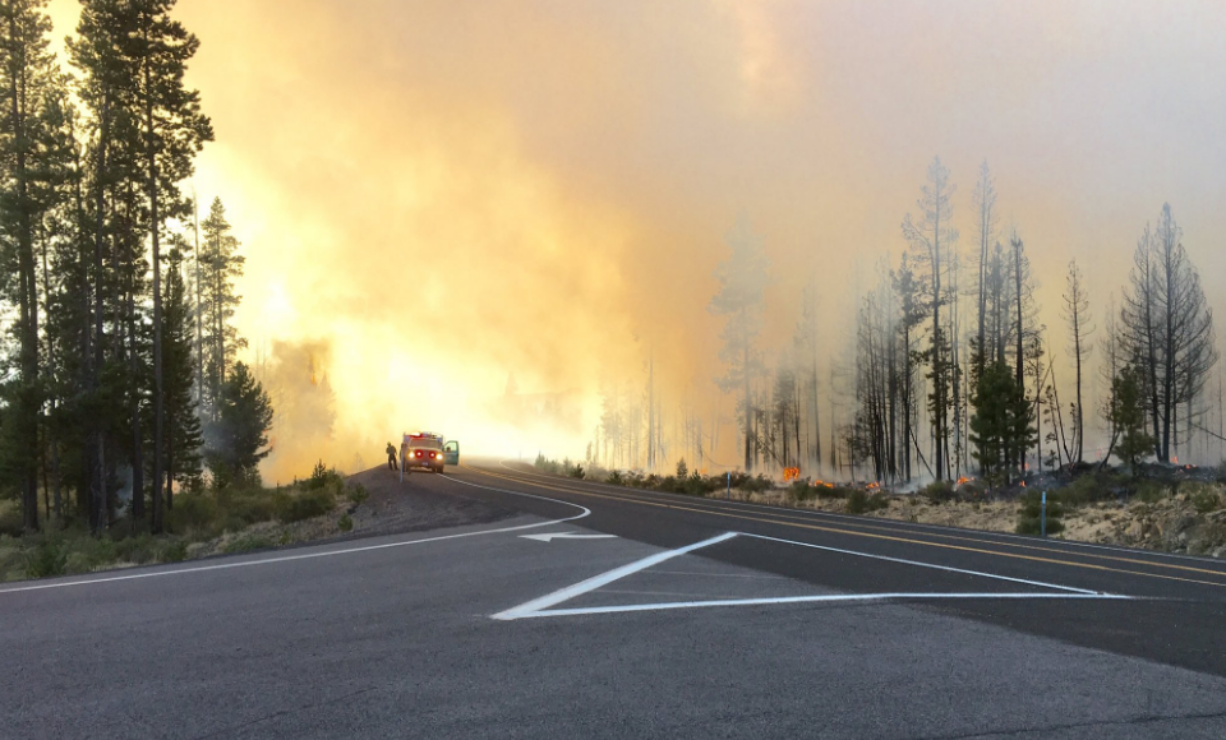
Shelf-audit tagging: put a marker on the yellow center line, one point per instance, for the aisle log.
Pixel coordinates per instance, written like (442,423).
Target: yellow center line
(855,533)
(963,538)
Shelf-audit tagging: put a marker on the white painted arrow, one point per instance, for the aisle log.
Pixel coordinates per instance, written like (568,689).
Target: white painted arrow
(567,536)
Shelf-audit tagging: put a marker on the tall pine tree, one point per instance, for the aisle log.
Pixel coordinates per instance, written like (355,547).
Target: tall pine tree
(183,436)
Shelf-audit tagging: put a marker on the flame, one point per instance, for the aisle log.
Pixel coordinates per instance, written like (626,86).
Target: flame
(1175,459)
(823,484)
(964,479)
(1023,484)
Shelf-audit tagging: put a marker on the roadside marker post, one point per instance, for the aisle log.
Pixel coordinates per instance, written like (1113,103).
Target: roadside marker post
(1043,516)
(728,492)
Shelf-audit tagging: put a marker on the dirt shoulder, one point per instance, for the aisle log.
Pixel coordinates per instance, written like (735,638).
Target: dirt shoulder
(409,507)
(1180,521)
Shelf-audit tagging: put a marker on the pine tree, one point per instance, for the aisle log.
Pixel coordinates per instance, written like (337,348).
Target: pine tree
(107,83)
(173,129)
(1001,426)
(220,266)
(25,75)
(1128,417)
(240,435)
(183,435)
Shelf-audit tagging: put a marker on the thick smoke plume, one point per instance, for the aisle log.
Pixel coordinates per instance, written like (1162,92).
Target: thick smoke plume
(439,195)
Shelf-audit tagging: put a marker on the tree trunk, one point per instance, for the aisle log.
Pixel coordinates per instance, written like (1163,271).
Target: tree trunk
(155,224)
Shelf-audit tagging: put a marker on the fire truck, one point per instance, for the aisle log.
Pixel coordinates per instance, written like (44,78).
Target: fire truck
(428,450)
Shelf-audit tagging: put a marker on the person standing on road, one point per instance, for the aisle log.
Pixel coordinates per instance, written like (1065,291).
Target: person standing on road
(391,457)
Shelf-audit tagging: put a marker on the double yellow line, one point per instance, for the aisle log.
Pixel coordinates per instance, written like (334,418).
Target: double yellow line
(792,521)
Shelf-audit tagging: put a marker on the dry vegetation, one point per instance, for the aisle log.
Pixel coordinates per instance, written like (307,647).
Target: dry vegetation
(1165,508)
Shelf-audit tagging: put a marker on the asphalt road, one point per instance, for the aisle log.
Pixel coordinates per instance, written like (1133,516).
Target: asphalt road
(650,616)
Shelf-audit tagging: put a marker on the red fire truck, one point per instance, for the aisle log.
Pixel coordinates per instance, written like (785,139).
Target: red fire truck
(428,450)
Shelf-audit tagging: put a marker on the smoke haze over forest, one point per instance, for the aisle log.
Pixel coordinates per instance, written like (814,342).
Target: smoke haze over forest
(435,196)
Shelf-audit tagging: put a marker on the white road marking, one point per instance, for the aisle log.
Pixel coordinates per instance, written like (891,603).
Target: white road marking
(792,600)
(567,536)
(541,607)
(591,584)
(309,555)
(951,569)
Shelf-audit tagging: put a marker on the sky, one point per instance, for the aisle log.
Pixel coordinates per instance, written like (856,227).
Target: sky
(434,196)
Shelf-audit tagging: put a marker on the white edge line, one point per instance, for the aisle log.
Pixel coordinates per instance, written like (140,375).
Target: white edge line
(591,584)
(793,600)
(951,569)
(899,524)
(309,555)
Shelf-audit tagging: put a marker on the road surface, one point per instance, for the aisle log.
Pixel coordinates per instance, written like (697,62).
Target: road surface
(598,611)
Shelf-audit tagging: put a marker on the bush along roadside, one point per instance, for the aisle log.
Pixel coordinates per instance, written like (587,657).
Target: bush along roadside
(1032,513)
(233,519)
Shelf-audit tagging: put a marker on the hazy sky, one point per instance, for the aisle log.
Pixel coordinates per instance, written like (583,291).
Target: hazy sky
(447,192)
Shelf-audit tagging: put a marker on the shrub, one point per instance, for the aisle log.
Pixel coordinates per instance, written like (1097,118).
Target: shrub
(1205,500)
(801,491)
(357,494)
(695,485)
(139,549)
(305,505)
(322,477)
(1031,511)
(615,478)
(860,502)
(833,492)
(247,543)
(10,519)
(1151,492)
(192,511)
(757,484)
(48,557)
(1088,489)
(345,524)
(174,551)
(939,492)
(683,472)
(576,472)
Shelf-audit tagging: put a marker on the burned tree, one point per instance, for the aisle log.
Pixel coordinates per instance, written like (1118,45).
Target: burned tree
(1167,328)
(931,239)
(742,280)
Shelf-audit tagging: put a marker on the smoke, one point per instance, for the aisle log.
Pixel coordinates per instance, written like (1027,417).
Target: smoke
(437,195)
(295,376)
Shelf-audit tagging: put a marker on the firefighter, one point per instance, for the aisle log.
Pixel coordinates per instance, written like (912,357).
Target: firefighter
(391,457)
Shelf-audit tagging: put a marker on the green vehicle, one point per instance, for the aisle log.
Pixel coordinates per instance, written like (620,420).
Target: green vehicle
(451,453)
